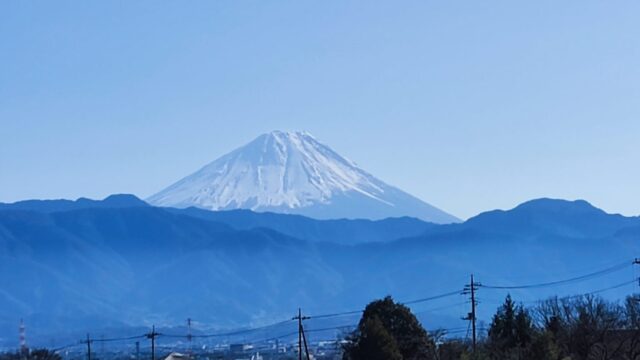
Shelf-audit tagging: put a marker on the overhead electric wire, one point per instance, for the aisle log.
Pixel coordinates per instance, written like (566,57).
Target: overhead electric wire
(588,276)
(60,348)
(441,307)
(119,338)
(435,297)
(277,337)
(461,330)
(426,299)
(231,333)
(613,287)
(332,328)
(352,312)
(561,282)
(322,316)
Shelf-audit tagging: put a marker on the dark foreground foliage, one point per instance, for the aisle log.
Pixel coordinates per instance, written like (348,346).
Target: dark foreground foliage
(389,331)
(574,328)
(35,354)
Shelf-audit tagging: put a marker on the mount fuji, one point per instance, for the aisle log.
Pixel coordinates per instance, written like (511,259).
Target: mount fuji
(293,173)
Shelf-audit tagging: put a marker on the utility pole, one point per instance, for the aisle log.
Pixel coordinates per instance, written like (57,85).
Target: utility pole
(471,289)
(137,350)
(88,342)
(304,339)
(636,261)
(189,336)
(301,336)
(152,335)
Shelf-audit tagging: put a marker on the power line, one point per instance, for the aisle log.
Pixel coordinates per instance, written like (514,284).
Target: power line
(462,331)
(231,333)
(561,282)
(323,316)
(613,287)
(341,327)
(441,307)
(308,331)
(277,337)
(605,271)
(430,298)
(416,301)
(617,286)
(119,338)
(60,348)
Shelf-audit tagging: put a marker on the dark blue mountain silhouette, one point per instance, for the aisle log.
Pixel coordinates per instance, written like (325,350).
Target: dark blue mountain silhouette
(340,231)
(118,263)
(571,218)
(112,201)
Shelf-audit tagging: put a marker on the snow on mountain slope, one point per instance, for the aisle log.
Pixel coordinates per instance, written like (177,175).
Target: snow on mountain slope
(291,172)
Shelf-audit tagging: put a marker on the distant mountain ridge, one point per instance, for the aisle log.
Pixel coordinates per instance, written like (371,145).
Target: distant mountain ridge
(293,173)
(108,265)
(112,201)
(342,231)
(574,218)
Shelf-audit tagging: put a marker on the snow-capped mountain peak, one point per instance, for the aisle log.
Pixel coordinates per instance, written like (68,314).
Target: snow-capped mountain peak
(292,172)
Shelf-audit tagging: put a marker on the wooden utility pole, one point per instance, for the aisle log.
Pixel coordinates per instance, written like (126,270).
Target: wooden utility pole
(636,261)
(304,339)
(88,341)
(189,337)
(473,313)
(301,336)
(471,289)
(152,335)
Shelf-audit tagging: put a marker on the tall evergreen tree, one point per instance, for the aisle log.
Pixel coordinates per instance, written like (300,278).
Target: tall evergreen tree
(374,343)
(512,332)
(397,320)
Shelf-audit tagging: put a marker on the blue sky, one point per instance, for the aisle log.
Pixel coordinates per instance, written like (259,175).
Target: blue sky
(469,105)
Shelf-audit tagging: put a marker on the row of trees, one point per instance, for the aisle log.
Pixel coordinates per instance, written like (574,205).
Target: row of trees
(576,328)
(584,327)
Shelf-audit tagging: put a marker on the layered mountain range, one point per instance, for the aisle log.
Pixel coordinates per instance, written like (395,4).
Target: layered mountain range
(68,267)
